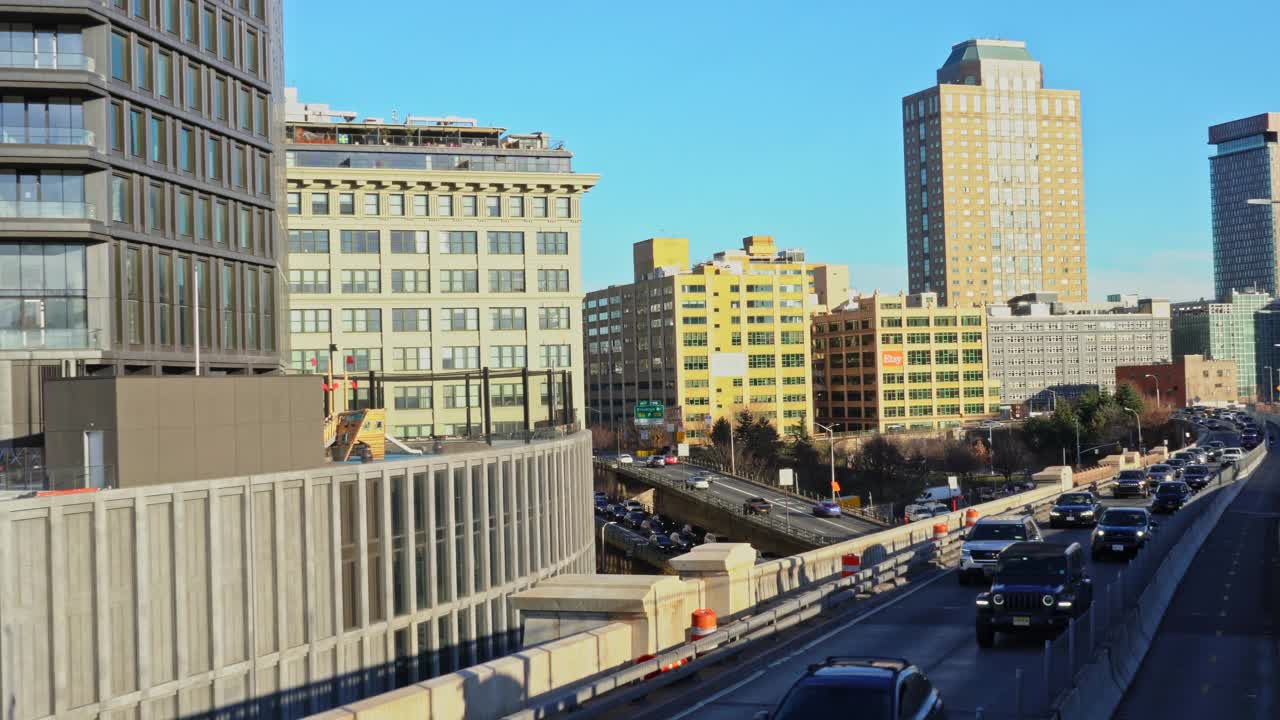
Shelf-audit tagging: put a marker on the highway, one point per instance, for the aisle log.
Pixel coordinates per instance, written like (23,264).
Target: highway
(1217,652)
(735,491)
(930,623)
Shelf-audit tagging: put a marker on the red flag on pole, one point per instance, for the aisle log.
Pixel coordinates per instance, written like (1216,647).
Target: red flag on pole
(835,486)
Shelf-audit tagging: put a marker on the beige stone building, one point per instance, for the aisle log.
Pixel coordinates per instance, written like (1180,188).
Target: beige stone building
(432,245)
(1188,380)
(994,183)
(707,340)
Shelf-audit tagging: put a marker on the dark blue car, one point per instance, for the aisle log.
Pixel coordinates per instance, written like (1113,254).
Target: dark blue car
(887,688)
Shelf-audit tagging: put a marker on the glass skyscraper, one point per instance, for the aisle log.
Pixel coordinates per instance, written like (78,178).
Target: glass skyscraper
(1222,331)
(1245,166)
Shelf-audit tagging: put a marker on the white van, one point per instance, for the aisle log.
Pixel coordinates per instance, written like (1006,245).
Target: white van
(942,494)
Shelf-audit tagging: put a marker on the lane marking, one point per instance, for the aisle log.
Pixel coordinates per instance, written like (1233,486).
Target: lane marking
(823,638)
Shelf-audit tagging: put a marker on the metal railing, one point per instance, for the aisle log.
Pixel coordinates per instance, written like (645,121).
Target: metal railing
(770,521)
(39,478)
(29,59)
(47,209)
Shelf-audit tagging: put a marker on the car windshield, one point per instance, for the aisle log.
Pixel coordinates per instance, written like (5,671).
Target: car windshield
(1160,468)
(998,531)
(1130,475)
(810,701)
(1020,565)
(1123,518)
(1169,490)
(1075,499)
(1197,470)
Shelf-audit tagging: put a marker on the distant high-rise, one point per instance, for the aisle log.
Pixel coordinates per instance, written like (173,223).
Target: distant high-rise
(1245,166)
(995,199)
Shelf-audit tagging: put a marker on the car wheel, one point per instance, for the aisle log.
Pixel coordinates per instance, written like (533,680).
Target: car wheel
(986,636)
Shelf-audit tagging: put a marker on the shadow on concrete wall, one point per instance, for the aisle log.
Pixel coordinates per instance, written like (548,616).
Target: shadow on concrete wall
(301,701)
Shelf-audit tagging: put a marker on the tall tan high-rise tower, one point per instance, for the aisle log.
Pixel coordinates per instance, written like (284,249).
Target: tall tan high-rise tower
(994,188)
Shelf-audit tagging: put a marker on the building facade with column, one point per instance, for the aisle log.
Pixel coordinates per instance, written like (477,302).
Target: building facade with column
(994,180)
(139,162)
(707,341)
(1246,237)
(433,245)
(1222,331)
(1039,347)
(901,362)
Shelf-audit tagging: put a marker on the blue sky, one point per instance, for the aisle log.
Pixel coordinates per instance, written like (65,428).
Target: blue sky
(715,120)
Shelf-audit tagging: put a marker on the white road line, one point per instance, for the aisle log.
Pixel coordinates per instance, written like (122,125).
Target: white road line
(821,639)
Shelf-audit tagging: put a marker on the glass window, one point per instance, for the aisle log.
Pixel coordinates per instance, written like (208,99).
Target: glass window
(507,356)
(410,320)
(121,205)
(137,133)
(346,203)
(142,65)
(556,318)
(119,57)
(260,114)
(208,29)
(194,98)
(219,97)
(227,40)
(459,281)
(213,159)
(553,281)
(395,205)
(562,207)
(506,243)
(409,242)
(164,75)
(461,319)
(555,356)
(115,126)
(492,206)
(410,281)
(468,205)
(294,203)
(184,213)
(251,51)
(511,318)
(458,242)
(420,205)
(515,206)
(444,205)
(359,241)
(362,320)
(540,207)
(189,21)
(202,218)
(506,281)
(370,203)
(553,243)
(155,207)
(309,241)
(309,321)
(319,203)
(169,16)
(157,140)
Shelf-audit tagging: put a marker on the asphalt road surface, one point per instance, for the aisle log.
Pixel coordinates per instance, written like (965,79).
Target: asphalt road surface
(736,492)
(929,624)
(1217,652)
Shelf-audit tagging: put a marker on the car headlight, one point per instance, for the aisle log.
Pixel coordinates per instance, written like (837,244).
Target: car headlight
(997,599)
(1048,600)
(1054,512)
(981,602)
(1141,533)
(1102,533)
(1064,604)
(1086,513)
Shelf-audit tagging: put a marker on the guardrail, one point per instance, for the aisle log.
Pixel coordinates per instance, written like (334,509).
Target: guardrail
(770,521)
(811,497)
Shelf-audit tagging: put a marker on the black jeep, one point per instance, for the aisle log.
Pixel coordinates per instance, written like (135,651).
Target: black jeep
(1036,587)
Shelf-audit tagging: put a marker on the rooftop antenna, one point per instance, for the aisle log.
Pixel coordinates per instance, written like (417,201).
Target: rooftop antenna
(393,117)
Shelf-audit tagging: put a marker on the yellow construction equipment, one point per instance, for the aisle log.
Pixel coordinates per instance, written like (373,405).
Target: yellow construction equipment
(362,432)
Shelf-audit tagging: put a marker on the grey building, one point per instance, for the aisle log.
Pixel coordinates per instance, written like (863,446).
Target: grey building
(283,594)
(1038,346)
(137,164)
(1245,166)
(1222,331)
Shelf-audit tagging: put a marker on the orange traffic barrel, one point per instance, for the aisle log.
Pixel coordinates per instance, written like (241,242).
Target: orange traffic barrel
(703,623)
(850,564)
(970,517)
(939,531)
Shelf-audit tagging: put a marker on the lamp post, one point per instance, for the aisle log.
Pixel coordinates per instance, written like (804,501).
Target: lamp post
(1139,421)
(1153,377)
(831,433)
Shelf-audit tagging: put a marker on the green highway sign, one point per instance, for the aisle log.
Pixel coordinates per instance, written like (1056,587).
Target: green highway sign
(649,412)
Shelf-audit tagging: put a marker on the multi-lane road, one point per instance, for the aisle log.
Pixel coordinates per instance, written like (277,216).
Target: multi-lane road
(1217,652)
(798,510)
(930,624)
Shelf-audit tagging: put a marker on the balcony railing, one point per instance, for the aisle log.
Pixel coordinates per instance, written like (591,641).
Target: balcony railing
(45,60)
(47,209)
(27,338)
(45,136)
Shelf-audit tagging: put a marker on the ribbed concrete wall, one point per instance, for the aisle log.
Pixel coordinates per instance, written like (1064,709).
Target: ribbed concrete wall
(287,593)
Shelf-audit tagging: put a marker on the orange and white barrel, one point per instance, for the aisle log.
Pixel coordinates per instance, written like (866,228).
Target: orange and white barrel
(970,517)
(939,531)
(702,624)
(850,564)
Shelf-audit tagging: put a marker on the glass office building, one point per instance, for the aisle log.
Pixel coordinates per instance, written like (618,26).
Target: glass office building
(1222,331)
(1245,166)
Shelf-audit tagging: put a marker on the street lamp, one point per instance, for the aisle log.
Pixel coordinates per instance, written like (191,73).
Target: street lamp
(831,433)
(1139,421)
(1153,377)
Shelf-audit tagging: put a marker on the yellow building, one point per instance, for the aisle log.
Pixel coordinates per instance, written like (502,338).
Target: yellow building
(891,362)
(434,245)
(706,340)
(994,183)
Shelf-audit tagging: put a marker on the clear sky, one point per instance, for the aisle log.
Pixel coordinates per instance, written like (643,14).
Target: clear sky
(715,120)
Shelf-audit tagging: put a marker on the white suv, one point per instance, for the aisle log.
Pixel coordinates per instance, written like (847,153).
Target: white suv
(985,540)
